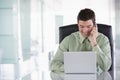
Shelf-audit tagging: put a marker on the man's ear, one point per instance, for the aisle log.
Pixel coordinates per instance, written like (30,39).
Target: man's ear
(95,24)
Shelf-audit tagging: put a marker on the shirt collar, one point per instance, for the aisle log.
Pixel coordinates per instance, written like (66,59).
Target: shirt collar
(82,38)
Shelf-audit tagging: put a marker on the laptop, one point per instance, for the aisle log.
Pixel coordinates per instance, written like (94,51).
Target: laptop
(80,62)
(80,77)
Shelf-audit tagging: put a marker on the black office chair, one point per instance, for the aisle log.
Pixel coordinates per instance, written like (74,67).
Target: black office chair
(103,28)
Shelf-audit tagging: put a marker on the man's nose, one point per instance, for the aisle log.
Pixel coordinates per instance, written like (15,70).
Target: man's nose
(86,30)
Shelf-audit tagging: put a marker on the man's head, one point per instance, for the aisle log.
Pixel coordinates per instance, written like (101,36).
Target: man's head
(86,21)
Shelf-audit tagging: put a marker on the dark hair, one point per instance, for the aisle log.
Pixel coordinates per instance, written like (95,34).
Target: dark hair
(86,14)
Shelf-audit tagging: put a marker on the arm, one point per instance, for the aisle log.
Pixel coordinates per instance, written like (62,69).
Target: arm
(57,64)
(101,46)
(103,52)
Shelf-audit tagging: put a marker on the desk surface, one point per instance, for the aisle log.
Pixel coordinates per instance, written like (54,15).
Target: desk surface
(98,76)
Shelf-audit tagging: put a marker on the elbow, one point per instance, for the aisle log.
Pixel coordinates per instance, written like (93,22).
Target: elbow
(57,67)
(52,67)
(107,66)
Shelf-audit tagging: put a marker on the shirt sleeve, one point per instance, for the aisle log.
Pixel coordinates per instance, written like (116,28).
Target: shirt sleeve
(103,52)
(57,64)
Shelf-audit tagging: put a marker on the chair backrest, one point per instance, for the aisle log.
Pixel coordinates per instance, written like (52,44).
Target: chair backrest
(103,28)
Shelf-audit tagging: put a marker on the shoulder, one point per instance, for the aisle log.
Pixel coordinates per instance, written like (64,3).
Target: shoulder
(73,36)
(102,37)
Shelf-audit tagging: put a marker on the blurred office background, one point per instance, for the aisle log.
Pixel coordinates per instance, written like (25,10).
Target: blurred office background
(29,34)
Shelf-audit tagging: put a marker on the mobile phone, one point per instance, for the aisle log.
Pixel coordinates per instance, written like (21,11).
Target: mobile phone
(95,24)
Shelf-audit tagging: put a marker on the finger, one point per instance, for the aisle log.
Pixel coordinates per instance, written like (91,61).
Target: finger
(95,28)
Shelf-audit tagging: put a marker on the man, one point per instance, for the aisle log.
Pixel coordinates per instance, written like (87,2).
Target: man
(88,33)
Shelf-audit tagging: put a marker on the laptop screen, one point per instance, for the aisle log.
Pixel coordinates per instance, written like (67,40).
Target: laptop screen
(80,62)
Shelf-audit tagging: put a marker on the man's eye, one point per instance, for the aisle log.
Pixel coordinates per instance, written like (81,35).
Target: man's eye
(88,27)
(81,27)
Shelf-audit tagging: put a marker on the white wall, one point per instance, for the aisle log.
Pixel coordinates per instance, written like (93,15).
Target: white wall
(104,10)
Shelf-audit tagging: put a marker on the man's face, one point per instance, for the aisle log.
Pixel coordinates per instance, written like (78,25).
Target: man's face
(85,27)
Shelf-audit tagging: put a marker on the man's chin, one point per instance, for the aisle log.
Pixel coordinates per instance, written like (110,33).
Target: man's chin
(86,36)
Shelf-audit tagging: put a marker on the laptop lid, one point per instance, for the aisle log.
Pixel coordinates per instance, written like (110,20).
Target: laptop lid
(80,62)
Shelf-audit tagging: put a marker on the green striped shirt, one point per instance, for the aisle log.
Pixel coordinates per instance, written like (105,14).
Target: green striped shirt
(76,42)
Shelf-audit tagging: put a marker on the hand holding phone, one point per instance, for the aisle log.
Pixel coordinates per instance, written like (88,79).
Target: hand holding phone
(93,35)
